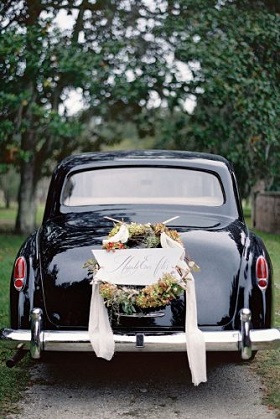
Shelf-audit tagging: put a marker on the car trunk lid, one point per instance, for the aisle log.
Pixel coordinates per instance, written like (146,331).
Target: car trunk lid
(66,244)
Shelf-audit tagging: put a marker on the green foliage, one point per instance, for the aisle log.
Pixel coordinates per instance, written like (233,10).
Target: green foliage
(30,97)
(122,58)
(106,57)
(232,49)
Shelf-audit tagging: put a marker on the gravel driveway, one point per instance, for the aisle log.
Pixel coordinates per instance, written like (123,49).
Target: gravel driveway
(140,386)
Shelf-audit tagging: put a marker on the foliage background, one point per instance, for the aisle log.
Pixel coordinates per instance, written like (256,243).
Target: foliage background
(173,74)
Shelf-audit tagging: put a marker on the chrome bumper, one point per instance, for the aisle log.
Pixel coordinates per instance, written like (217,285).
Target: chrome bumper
(38,340)
(176,342)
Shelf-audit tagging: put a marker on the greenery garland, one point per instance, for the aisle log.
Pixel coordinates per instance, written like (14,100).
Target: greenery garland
(130,300)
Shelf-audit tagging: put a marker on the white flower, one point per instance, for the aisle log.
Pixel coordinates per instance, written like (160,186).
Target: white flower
(166,241)
(121,236)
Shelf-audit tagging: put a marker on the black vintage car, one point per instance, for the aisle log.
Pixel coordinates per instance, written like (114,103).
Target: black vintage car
(51,289)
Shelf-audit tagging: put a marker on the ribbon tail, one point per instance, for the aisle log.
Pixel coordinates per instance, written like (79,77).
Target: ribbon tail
(195,342)
(99,328)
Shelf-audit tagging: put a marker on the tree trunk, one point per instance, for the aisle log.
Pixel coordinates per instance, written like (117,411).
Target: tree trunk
(7,200)
(26,216)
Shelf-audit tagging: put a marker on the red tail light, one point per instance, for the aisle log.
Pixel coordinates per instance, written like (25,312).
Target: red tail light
(262,272)
(20,273)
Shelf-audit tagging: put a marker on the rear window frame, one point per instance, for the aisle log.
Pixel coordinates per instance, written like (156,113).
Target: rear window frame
(85,208)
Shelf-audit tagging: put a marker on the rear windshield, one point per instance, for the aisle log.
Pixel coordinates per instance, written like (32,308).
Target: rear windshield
(142,185)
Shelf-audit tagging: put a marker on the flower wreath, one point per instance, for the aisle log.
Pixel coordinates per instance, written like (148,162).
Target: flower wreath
(129,300)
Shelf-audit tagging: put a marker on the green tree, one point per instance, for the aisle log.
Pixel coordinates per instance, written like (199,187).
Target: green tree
(232,49)
(31,93)
(106,56)
(123,58)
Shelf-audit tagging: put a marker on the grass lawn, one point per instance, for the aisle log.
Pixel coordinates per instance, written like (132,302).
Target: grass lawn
(12,381)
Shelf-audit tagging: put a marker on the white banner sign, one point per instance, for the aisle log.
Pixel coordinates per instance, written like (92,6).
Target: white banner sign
(136,266)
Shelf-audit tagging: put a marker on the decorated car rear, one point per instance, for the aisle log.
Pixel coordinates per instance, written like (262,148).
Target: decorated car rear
(143,251)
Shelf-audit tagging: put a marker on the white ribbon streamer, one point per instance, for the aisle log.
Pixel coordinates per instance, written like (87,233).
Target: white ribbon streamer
(194,337)
(99,328)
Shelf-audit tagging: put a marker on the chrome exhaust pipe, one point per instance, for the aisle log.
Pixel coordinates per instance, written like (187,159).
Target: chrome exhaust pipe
(21,352)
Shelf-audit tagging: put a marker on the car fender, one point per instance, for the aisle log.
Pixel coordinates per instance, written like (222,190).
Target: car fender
(22,302)
(259,301)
